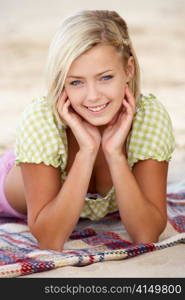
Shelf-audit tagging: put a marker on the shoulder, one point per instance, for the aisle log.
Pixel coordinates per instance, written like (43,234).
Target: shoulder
(150,106)
(39,138)
(152,133)
(39,115)
(37,110)
(152,115)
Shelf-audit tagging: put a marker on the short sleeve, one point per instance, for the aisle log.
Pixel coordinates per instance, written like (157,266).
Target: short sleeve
(38,139)
(152,135)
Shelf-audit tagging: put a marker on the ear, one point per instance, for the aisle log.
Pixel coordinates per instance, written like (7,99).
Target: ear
(130,68)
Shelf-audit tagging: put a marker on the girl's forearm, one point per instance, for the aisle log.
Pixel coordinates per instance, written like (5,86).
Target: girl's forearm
(141,218)
(57,220)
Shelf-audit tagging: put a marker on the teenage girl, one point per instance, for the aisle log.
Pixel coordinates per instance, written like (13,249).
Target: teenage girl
(94,144)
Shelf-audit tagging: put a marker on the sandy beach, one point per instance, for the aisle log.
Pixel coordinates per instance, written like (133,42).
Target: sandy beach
(157,31)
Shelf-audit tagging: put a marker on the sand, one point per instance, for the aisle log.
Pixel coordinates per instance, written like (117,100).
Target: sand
(157,31)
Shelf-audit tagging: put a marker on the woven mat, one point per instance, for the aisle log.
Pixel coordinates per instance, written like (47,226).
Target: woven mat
(89,243)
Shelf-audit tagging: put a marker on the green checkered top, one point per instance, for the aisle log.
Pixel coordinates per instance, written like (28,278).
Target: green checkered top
(41,139)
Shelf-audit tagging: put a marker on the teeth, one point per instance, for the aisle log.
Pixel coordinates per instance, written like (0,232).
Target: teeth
(97,108)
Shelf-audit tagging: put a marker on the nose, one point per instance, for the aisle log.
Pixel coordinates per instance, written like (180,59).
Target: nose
(93,94)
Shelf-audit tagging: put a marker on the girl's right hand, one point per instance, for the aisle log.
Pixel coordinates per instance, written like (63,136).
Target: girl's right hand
(87,135)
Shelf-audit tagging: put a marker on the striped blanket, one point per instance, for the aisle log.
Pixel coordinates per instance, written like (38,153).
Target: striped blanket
(89,243)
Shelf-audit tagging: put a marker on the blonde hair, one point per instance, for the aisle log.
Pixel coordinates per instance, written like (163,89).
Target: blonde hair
(81,32)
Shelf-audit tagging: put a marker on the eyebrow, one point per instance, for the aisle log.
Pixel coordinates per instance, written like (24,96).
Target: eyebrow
(74,76)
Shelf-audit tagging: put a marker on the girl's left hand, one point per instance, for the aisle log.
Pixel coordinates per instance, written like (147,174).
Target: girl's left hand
(116,132)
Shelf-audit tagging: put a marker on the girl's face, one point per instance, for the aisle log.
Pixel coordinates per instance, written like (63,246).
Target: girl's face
(95,84)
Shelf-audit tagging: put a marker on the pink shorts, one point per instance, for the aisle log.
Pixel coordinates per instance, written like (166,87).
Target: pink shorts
(7,161)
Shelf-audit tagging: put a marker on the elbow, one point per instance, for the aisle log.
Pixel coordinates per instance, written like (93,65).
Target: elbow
(145,239)
(46,240)
(151,235)
(50,245)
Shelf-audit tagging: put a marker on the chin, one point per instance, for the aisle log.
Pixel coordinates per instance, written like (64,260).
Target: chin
(99,123)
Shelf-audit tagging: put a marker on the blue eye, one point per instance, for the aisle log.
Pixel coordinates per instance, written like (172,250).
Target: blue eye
(75,82)
(107,77)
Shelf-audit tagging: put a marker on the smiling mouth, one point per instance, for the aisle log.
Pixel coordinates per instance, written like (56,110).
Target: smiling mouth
(97,108)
